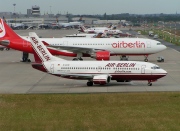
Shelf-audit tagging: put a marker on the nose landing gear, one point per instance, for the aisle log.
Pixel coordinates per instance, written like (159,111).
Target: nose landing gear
(150,82)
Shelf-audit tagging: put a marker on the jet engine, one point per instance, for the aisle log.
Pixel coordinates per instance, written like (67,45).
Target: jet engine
(101,79)
(101,55)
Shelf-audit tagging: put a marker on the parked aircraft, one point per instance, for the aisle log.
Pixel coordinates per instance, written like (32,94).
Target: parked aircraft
(101,28)
(100,49)
(17,26)
(96,31)
(85,35)
(96,72)
(75,24)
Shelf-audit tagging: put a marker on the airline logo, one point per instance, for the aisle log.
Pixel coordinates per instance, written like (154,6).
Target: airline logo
(123,44)
(2,29)
(121,65)
(40,49)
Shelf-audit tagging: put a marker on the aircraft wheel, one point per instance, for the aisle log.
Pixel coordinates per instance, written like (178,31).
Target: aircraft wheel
(150,84)
(75,59)
(146,60)
(28,60)
(81,59)
(89,83)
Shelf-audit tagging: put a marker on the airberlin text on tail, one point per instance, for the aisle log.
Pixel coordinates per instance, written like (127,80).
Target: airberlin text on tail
(40,49)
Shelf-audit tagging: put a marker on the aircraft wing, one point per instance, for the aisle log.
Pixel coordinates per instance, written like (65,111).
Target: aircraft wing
(75,49)
(79,49)
(77,76)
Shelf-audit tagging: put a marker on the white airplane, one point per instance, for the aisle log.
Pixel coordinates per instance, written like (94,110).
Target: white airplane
(91,31)
(16,25)
(101,49)
(99,30)
(96,72)
(84,35)
(70,24)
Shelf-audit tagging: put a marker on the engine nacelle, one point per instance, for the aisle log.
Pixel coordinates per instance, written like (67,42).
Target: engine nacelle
(101,79)
(101,55)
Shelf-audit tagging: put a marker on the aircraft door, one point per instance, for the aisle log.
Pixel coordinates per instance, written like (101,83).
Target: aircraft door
(148,44)
(52,68)
(143,69)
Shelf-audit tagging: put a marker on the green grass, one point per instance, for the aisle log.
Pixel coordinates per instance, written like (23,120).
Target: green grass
(113,111)
(165,36)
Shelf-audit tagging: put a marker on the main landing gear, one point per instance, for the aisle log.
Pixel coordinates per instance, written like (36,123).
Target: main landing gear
(89,83)
(78,59)
(149,83)
(146,58)
(123,58)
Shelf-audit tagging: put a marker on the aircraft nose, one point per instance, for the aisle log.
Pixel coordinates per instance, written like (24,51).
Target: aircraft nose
(164,72)
(163,47)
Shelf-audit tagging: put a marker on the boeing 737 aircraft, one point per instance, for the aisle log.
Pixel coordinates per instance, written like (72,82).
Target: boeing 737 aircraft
(96,72)
(100,49)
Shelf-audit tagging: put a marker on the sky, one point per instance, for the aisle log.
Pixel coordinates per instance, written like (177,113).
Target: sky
(93,7)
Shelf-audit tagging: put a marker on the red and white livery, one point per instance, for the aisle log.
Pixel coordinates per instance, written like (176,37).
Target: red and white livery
(96,72)
(100,49)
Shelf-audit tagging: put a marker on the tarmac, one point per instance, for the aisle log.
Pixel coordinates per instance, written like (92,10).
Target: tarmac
(20,78)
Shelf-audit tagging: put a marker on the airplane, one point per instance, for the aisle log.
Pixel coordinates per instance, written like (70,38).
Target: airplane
(75,24)
(100,28)
(96,72)
(16,25)
(100,49)
(100,35)
(96,31)
(91,31)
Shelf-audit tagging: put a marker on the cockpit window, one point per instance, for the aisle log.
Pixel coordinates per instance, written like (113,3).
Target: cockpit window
(158,43)
(155,67)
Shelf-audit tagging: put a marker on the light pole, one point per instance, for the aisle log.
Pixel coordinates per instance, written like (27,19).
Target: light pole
(175,32)
(14,7)
(50,9)
(14,12)
(170,32)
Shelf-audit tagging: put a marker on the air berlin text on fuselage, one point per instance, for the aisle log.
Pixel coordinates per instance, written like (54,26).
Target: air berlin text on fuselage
(123,44)
(120,65)
(45,55)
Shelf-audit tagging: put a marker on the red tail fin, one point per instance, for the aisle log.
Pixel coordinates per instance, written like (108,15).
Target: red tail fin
(99,35)
(6,32)
(82,30)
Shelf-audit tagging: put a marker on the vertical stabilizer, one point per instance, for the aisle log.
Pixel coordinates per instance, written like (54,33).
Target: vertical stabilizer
(41,53)
(6,32)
